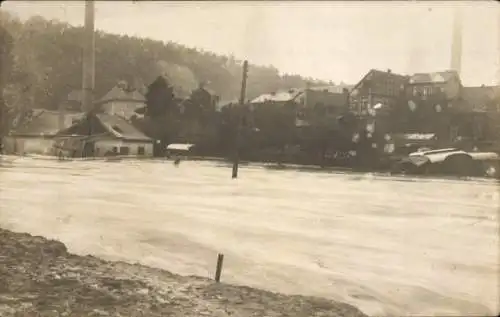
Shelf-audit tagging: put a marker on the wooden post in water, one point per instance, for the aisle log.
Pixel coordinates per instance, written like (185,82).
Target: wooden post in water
(218,269)
(236,158)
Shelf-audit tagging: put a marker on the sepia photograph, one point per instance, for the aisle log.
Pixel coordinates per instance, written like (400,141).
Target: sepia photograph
(249,158)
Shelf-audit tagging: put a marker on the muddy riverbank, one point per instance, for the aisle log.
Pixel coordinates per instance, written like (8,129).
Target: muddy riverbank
(38,277)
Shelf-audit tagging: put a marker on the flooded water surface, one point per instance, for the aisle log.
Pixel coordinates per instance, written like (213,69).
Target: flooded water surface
(390,246)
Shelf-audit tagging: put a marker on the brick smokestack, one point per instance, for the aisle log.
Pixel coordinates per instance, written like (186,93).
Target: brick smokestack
(498,44)
(456,45)
(88,57)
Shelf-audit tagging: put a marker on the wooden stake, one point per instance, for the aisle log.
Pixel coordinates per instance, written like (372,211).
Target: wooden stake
(218,269)
(236,158)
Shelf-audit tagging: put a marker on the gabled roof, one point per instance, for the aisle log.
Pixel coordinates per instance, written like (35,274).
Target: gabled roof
(112,125)
(120,128)
(44,122)
(433,78)
(281,96)
(119,93)
(376,72)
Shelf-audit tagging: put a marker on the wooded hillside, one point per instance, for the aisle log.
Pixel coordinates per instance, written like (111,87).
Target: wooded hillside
(47,58)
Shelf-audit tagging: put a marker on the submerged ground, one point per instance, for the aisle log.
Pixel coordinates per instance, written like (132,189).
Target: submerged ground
(390,246)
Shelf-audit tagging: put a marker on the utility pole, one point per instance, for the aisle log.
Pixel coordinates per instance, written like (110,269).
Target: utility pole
(306,91)
(88,80)
(236,158)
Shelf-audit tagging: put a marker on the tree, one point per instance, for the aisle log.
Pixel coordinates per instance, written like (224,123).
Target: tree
(49,53)
(200,104)
(159,98)
(276,125)
(160,114)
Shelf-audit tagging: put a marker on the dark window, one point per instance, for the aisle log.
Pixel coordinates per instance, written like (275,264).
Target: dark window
(115,149)
(124,150)
(141,150)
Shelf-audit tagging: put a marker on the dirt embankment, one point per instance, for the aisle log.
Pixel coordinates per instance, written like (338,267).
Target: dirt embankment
(38,277)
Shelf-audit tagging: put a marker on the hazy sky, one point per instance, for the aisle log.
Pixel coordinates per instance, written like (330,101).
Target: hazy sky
(337,41)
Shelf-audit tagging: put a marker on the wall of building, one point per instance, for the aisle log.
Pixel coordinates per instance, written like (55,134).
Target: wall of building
(383,87)
(338,101)
(26,145)
(120,147)
(125,109)
(452,88)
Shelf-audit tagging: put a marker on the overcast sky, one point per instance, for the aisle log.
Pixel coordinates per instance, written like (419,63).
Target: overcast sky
(337,41)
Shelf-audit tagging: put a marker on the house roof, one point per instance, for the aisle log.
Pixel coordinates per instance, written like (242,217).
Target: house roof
(336,89)
(121,128)
(376,72)
(435,77)
(112,125)
(44,122)
(281,96)
(120,93)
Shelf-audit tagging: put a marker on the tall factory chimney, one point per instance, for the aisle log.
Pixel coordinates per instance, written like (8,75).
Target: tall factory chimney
(456,45)
(498,44)
(88,81)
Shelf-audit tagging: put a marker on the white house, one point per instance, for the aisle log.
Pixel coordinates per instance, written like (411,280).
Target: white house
(121,101)
(103,134)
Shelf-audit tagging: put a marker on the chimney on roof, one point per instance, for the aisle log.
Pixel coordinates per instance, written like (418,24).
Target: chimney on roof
(389,71)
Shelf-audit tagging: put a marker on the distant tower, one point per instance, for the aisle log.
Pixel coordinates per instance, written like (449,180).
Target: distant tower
(456,45)
(498,44)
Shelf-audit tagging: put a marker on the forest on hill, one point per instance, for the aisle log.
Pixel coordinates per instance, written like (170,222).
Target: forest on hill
(47,65)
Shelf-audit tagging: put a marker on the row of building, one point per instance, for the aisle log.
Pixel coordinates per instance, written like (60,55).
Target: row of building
(427,103)
(439,98)
(107,132)
(388,89)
